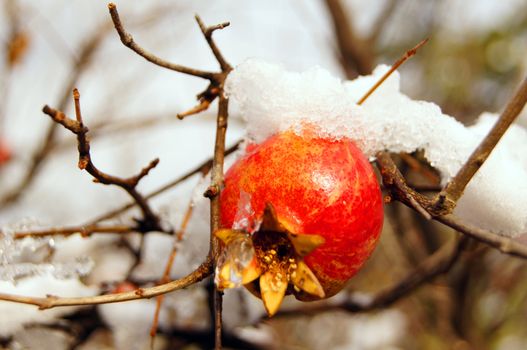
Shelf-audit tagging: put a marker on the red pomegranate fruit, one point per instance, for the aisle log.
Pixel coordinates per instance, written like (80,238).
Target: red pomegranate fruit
(5,152)
(300,214)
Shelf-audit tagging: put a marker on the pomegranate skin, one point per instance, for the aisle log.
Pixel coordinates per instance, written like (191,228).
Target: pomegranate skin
(5,152)
(317,186)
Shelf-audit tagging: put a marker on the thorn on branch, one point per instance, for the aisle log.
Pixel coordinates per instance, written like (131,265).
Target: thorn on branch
(202,106)
(212,191)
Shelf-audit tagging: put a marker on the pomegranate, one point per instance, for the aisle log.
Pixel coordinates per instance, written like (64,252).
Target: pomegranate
(5,152)
(300,215)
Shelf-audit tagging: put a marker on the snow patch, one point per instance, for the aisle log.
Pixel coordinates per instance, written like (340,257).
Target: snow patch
(271,99)
(15,316)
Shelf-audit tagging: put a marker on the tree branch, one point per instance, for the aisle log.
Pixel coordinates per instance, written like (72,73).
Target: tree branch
(207,33)
(382,20)
(356,57)
(394,181)
(392,69)
(216,183)
(129,42)
(202,168)
(84,231)
(50,301)
(150,221)
(436,264)
(448,197)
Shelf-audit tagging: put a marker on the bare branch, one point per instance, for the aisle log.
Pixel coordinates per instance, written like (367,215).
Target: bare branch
(207,32)
(203,168)
(394,181)
(50,301)
(356,56)
(392,69)
(436,264)
(84,231)
(216,182)
(168,266)
(503,244)
(129,42)
(202,106)
(448,198)
(150,221)
(382,20)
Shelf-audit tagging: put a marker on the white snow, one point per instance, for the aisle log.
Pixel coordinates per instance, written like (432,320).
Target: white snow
(15,316)
(271,99)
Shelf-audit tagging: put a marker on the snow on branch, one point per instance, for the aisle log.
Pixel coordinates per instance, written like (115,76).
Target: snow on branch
(272,99)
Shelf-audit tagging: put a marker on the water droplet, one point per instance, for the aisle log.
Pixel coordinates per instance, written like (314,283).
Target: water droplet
(237,255)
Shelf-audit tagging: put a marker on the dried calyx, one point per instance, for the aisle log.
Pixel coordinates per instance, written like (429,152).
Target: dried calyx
(268,262)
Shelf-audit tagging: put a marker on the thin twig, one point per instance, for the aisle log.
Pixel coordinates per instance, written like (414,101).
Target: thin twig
(128,41)
(51,301)
(503,244)
(207,32)
(394,181)
(168,267)
(150,221)
(202,168)
(448,198)
(392,69)
(84,231)
(203,105)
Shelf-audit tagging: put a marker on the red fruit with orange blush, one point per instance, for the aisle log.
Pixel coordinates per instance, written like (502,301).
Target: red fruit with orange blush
(300,214)
(5,152)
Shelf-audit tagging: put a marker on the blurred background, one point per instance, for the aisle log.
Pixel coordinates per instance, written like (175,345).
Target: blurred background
(476,56)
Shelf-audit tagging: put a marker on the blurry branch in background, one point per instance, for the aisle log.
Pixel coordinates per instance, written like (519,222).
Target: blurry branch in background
(356,56)
(16,46)
(436,264)
(382,20)
(179,234)
(86,53)
(82,59)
